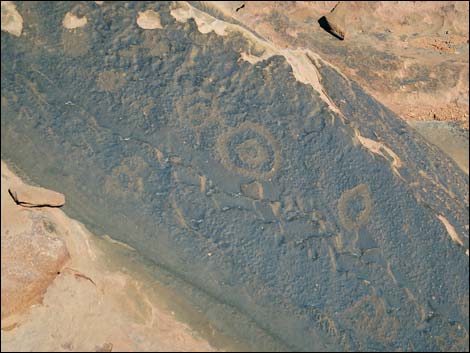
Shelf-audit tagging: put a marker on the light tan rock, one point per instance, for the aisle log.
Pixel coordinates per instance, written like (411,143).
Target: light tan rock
(336,20)
(30,196)
(12,22)
(32,251)
(386,42)
(99,302)
(149,19)
(71,21)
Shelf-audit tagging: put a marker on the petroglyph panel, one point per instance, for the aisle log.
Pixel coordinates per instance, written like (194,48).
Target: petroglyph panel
(196,151)
(250,150)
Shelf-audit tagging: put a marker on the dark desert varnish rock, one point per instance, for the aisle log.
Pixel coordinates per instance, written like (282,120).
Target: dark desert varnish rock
(323,226)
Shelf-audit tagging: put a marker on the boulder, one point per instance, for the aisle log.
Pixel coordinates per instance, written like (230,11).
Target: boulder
(32,251)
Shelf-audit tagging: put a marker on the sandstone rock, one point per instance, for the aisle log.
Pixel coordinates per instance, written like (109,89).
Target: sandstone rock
(32,252)
(106,347)
(30,196)
(149,20)
(71,21)
(335,21)
(344,251)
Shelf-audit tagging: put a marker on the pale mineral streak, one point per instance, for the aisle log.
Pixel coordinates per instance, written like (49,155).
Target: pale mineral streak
(149,19)
(71,21)
(303,68)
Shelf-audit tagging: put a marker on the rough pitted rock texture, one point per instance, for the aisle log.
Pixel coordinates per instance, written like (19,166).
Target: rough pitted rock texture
(32,251)
(324,228)
(411,56)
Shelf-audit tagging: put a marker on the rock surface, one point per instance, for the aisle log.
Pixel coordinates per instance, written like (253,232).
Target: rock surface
(448,137)
(32,252)
(412,57)
(149,19)
(63,289)
(276,184)
(12,22)
(30,196)
(336,20)
(72,21)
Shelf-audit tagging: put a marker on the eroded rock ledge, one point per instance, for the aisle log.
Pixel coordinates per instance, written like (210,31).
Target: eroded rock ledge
(30,196)
(60,291)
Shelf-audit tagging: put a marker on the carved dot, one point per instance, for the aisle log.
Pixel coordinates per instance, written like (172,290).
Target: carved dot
(252,152)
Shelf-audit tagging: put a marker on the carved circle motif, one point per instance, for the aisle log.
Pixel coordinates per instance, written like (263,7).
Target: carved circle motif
(251,150)
(359,197)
